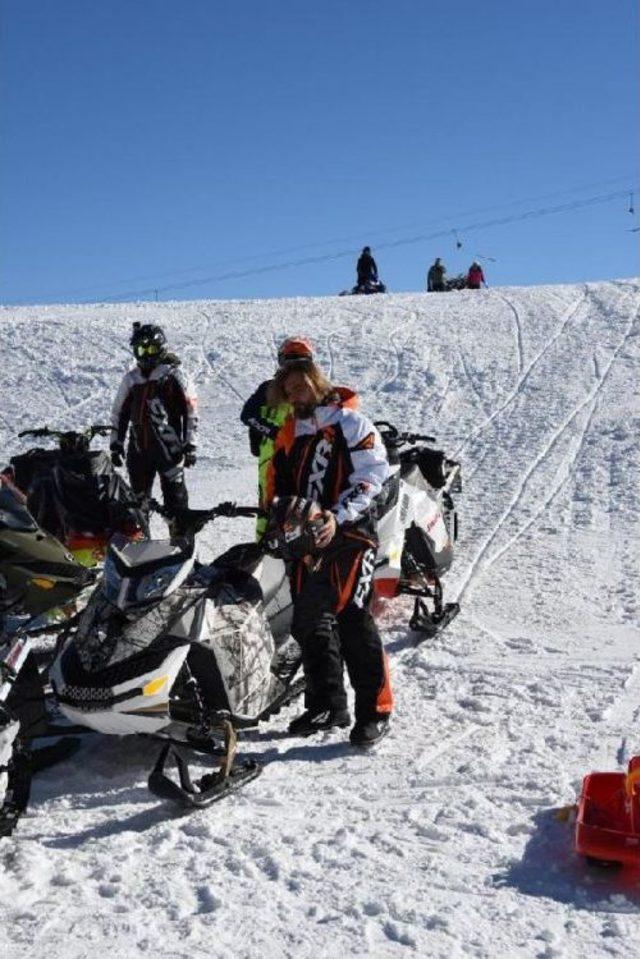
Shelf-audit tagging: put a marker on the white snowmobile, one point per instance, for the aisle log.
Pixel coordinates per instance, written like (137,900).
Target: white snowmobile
(417,527)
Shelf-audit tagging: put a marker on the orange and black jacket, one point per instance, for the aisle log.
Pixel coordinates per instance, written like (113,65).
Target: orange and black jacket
(334,457)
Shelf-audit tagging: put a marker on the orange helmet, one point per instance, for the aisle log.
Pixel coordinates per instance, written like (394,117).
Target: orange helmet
(295,350)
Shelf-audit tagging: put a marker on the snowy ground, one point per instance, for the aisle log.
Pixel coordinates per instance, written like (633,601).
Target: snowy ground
(444,842)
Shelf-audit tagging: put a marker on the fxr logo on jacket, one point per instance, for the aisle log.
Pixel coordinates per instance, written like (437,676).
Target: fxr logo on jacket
(319,464)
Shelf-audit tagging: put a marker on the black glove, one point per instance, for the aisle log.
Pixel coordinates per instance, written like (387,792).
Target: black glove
(117,453)
(189,456)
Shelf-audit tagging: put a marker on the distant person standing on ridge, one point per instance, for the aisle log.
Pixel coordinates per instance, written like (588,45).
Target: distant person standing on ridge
(475,277)
(366,268)
(435,277)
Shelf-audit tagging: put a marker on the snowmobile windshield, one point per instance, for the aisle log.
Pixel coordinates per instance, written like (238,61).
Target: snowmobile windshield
(13,513)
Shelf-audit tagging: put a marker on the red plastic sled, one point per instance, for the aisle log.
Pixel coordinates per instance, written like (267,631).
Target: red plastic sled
(608,820)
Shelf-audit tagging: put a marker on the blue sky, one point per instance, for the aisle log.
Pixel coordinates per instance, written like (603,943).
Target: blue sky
(201,148)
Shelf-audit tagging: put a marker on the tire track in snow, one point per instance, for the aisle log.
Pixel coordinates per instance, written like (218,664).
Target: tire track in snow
(471,381)
(592,398)
(512,396)
(519,344)
(214,370)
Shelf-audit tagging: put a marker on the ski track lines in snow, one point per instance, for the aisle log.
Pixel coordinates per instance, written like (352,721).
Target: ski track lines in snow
(560,475)
(442,842)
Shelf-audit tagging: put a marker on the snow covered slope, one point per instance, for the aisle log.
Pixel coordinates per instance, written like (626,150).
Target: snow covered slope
(444,841)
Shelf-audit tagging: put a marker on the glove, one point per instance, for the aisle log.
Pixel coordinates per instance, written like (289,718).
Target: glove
(117,453)
(189,456)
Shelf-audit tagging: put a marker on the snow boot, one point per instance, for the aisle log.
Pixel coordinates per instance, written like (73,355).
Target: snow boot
(315,720)
(367,732)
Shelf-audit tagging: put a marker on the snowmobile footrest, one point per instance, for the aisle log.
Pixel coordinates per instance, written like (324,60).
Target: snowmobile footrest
(429,624)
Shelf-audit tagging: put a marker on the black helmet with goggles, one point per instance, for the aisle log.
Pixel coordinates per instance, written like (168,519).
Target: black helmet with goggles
(149,344)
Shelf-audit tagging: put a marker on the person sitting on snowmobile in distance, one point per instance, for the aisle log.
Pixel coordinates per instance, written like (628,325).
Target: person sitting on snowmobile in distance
(156,403)
(366,269)
(330,453)
(475,277)
(435,277)
(264,421)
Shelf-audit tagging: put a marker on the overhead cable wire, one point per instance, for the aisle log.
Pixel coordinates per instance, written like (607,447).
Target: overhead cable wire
(372,234)
(390,244)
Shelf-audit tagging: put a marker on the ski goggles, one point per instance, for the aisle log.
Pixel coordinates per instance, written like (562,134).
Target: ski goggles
(150,349)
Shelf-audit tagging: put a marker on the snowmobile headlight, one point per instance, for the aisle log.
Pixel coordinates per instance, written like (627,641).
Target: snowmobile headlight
(154,686)
(156,583)
(43,583)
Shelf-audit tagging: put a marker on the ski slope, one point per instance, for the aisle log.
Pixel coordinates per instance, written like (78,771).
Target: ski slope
(444,841)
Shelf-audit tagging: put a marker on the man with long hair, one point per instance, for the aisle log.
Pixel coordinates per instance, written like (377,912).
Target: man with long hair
(330,453)
(264,420)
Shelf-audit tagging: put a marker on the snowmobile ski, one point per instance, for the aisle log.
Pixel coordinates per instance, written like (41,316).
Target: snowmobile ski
(209,788)
(428,624)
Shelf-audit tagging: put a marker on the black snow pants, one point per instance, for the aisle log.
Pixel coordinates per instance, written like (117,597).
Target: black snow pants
(142,472)
(333,624)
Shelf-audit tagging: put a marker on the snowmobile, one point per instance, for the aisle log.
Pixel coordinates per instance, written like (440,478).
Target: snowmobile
(185,652)
(75,493)
(417,527)
(39,578)
(371,286)
(458,282)
(167,647)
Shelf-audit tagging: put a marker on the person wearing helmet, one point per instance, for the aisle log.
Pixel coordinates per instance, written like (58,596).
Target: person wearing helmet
(366,269)
(156,405)
(264,421)
(329,453)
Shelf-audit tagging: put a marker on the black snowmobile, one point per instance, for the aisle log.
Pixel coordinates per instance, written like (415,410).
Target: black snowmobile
(39,578)
(458,282)
(364,289)
(75,493)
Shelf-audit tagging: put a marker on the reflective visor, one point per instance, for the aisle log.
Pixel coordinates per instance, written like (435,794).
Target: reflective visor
(142,349)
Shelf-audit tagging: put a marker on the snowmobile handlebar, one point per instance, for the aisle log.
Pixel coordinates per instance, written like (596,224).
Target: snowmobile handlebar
(196,519)
(69,438)
(393,436)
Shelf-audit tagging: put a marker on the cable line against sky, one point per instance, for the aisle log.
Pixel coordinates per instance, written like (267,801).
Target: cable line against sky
(245,269)
(390,244)
(371,234)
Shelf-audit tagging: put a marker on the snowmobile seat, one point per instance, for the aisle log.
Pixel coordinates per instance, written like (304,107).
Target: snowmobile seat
(431,464)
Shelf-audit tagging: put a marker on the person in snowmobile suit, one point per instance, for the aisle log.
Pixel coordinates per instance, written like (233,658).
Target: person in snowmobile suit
(366,269)
(156,404)
(435,277)
(475,277)
(332,454)
(265,421)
